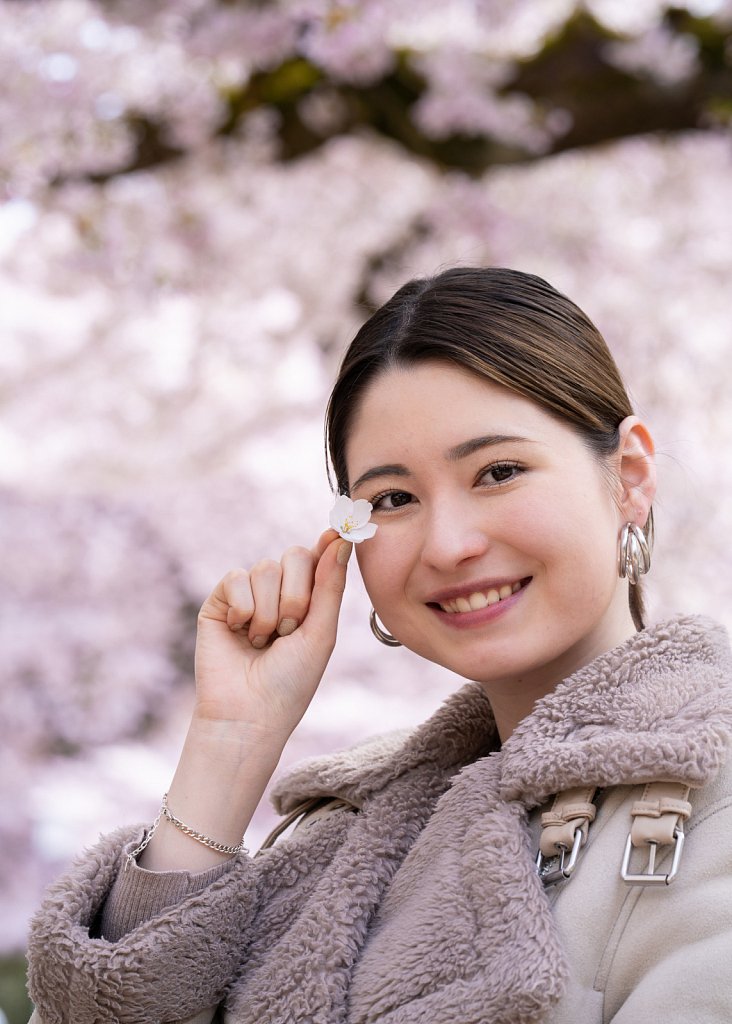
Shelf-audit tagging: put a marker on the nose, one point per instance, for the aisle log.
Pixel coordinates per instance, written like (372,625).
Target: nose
(453,534)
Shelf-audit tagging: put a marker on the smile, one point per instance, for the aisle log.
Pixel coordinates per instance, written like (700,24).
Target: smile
(480,599)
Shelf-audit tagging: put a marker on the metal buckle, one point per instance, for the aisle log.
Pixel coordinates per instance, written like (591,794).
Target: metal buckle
(648,877)
(563,870)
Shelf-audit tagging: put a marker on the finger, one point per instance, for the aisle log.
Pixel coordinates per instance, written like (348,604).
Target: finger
(325,602)
(265,579)
(298,570)
(238,591)
(230,601)
(322,543)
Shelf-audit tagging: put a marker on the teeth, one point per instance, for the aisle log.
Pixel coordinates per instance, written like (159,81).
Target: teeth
(480,599)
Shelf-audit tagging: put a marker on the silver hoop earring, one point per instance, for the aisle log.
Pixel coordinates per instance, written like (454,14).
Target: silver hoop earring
(380,633)
(634,557)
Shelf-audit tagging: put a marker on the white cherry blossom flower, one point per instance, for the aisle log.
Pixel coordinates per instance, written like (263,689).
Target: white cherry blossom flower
(351,519)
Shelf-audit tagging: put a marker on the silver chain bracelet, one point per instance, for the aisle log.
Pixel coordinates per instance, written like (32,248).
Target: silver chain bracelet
(165,812)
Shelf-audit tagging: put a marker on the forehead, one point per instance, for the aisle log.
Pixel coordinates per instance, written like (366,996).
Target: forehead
(408,413)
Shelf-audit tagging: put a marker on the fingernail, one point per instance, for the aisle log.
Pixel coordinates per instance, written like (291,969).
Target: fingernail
(259,641)
(344,553)
(237,626)
(287,626)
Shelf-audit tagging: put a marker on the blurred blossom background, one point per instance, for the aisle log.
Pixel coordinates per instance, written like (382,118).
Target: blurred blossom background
(200,203)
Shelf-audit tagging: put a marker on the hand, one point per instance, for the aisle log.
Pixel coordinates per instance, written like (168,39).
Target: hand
(265,637)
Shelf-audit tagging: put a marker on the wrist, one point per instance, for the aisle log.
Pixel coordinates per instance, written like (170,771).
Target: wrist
(221,776)
(234,743)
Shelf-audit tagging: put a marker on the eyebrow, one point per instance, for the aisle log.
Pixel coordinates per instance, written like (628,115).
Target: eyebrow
(460,451)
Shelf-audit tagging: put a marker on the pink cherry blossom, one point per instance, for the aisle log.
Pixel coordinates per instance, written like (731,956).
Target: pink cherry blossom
(170,333)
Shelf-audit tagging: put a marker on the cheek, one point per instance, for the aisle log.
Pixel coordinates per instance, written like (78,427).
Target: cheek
(585,557)
(575,540)
(384,563)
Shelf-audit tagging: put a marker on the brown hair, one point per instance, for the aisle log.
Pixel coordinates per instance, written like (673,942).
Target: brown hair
(505,326)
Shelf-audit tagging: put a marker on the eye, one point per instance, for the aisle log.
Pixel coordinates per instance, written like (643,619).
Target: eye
(388,500)
(500,473)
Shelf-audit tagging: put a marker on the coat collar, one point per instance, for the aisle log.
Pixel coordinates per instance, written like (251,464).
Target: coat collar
(659,706)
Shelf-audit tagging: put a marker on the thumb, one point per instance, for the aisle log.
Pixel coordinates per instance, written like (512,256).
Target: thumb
(328,587)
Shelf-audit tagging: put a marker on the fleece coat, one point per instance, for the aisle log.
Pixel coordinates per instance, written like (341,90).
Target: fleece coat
(424,904)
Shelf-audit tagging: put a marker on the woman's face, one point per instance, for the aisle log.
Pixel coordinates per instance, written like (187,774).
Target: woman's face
(497,543)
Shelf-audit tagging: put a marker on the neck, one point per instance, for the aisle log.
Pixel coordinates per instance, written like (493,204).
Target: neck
(513,699)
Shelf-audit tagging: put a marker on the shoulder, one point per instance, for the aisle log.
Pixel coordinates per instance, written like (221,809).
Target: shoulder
(688,922)
(712,803)
(623,941)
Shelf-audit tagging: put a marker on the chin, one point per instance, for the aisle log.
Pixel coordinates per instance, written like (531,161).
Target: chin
(486,664)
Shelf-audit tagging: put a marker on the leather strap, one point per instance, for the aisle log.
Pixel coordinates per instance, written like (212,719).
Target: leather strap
(658,813)
(573,809)
(307,810)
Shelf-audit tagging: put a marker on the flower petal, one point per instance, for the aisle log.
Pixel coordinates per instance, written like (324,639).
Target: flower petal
(364,532)
(342,508)
(351,519)
(361,512)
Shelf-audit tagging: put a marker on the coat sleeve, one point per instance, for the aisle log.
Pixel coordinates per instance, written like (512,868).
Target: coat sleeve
(672,959)
(138,895)
(204,1017)
(186,939)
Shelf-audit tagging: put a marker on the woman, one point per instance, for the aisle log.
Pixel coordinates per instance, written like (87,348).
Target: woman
(483,418)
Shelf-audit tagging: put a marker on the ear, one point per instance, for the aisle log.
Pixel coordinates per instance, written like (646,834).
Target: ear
(637,470)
